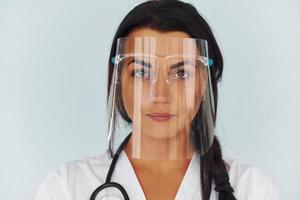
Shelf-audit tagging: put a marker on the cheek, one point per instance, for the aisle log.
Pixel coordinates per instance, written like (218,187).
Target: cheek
(191,99)
(127,96)
(193,102)
(197,103)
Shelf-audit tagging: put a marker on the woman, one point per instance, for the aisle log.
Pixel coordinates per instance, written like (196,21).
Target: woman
(164,67)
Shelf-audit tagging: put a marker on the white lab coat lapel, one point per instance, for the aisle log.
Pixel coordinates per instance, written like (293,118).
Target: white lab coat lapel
(190,185)
(124,174)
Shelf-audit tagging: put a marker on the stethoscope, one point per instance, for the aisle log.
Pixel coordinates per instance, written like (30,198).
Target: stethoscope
(108,183)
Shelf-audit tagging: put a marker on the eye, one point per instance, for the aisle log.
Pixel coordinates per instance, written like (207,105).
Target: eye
(140,73)
(182,74)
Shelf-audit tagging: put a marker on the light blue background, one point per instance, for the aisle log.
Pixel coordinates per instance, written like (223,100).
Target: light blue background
(53,67)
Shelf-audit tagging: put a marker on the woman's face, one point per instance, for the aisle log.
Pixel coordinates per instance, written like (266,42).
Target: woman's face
(159,108)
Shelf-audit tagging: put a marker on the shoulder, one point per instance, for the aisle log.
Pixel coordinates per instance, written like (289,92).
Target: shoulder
(84,174)
(249,182)
(87,167)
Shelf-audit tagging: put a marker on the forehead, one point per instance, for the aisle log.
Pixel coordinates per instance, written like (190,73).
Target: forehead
(148,32)
(146,40)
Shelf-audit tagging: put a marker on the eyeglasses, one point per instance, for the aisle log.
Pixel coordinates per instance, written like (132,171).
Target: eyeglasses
(175,67)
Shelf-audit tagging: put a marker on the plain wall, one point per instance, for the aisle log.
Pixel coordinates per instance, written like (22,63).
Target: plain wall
(53,73)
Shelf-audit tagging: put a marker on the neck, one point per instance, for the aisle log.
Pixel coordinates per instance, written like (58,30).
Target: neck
(153,157)
(160,165)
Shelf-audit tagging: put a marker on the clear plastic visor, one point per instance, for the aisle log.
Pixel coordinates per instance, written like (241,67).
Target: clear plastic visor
(158,88)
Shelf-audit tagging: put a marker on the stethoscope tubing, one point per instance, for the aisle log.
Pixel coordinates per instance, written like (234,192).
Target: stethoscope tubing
(108,182)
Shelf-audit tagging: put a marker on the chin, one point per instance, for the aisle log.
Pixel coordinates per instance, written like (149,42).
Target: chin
(159,132)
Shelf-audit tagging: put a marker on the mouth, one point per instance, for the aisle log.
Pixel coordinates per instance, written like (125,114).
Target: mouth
(161,117)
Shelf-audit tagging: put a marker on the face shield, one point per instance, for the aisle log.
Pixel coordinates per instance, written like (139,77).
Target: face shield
(161,92)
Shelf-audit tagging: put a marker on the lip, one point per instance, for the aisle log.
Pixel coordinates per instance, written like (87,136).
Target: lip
(161,117)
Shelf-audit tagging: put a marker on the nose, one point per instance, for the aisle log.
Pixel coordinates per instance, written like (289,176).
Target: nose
(160,89)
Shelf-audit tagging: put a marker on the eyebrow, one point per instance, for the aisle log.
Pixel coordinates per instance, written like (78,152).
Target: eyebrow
(176,65)
(147,64)
(141,62)
(179,64)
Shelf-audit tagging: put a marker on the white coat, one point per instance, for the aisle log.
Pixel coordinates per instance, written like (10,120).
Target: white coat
(77,180)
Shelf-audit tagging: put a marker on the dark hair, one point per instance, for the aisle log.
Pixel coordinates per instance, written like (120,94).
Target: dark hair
(174,15)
